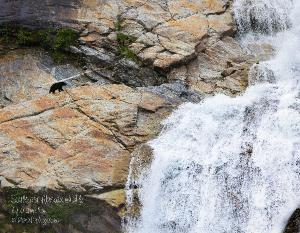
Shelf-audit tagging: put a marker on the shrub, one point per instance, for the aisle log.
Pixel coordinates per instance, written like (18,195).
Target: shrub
(123,46)
(124,39)
(125,51)
(46,38)
(6,33)
(58,56)
(57,42)
(65,38)
(63,211)
(27,38)
(118,24)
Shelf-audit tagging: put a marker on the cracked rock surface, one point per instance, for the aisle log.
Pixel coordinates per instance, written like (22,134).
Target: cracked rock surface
(78,140)
(166,32)
(173,40)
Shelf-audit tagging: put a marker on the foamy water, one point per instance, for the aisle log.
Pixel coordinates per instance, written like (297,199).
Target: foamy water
(232,165)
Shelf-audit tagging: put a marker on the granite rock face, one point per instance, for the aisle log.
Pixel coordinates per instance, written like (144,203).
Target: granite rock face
(169,40)
(80,139)
(221,66)
(21,78)
(166,32)
(27,74)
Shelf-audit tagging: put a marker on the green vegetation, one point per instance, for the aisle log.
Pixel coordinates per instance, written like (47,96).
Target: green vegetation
(57,42)
(124,41)
(65,38)
(13,206)
(46,38)
(7,32)
(18,199)
(64,211)
(42,206)
(118,24)
(125,51)
(27,38)
(13,195)
(49,231)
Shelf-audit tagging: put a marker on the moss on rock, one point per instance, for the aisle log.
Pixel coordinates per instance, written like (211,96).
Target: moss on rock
(56,41)
(65,38)
(124,42)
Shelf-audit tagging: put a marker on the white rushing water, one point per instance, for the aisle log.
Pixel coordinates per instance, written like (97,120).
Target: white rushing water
(232,165)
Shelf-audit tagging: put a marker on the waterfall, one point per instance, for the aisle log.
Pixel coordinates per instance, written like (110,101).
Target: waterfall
(263,16)
(232,165)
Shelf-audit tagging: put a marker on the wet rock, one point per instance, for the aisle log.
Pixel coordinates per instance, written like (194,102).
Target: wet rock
(175,92)
(293,225)
(140,163)
(252,20)
(262,51)
(141,160)
(221,66)
(259,73)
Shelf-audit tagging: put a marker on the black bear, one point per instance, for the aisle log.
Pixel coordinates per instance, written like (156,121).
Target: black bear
(57,86)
